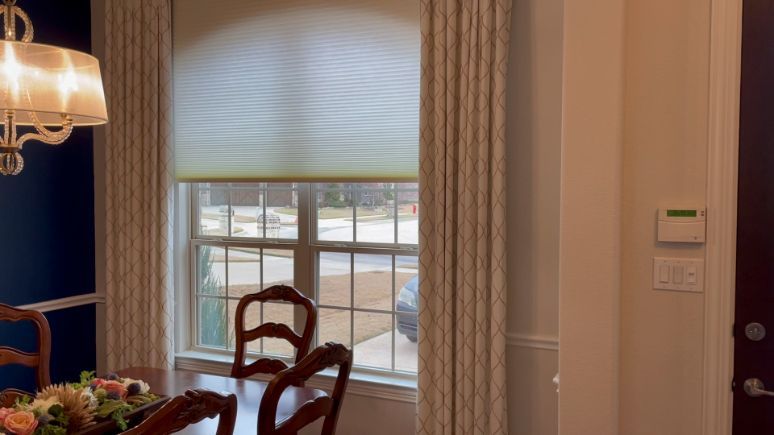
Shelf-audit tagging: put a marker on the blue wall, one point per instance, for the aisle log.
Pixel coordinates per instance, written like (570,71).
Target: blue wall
(47,215)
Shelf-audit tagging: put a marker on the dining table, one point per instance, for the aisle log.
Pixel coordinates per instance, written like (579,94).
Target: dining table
(248,392)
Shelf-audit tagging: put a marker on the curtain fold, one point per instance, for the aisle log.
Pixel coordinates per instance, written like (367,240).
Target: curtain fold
(462,388)
(139,183)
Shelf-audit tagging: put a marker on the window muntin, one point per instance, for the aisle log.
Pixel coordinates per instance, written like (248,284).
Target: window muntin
(361,252)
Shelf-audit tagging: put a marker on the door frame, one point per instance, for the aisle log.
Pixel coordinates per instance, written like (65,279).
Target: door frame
(722,169)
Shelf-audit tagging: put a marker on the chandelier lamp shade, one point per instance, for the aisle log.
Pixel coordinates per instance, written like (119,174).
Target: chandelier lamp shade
(45,90)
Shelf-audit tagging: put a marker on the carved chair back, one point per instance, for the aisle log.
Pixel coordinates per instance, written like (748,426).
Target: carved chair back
(39,360)
(325,356)
(271,330)
(190,408)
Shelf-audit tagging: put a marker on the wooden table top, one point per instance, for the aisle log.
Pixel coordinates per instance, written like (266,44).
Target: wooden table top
(248,392)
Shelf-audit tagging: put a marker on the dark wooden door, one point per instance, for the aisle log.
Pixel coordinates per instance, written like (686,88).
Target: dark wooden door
(755,246)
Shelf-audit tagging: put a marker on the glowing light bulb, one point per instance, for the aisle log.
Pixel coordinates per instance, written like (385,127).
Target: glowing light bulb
(12,70)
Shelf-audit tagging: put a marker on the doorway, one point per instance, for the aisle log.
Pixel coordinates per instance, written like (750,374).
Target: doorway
(754,316)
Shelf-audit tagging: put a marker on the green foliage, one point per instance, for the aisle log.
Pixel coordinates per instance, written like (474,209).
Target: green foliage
(56,410)
(23,400)
(336,198)
(116,410)
(50,429)
(86,378)
(213,311)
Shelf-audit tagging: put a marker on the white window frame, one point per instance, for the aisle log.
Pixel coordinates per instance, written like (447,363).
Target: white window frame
(193,356)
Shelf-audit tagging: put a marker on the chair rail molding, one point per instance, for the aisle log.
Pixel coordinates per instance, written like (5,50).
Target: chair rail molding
(722,167)
(69,302)
(532,341)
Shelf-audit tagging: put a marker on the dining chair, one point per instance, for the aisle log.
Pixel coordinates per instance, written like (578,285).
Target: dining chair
(327,406)
(271,330)
(39,360)
(190,408)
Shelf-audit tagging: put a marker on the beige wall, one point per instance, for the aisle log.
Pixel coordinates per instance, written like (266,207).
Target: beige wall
(661,159)
(589,227)
(665,151)
(534,139)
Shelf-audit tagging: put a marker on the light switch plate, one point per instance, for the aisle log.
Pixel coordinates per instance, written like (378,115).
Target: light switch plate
(682,274)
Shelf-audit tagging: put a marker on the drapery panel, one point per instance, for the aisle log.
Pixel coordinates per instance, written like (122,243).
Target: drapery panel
(139,183)
(462,388)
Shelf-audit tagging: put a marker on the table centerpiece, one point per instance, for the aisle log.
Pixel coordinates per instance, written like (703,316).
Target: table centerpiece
(92,405)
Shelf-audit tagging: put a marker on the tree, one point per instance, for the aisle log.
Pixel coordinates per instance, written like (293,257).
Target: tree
(213,311)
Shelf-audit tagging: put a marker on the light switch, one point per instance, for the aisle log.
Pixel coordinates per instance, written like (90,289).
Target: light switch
(691,278)
(663,273)
(681,274)
(677,274)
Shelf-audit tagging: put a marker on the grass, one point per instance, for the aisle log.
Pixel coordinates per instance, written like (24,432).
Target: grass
(336,212)
(254,255)
(372,290)
(238,218)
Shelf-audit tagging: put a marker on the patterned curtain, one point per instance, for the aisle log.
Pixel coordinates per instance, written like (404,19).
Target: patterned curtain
(462,387)
(139,186)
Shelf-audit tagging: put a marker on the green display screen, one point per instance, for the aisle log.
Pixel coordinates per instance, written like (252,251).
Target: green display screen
(681,213)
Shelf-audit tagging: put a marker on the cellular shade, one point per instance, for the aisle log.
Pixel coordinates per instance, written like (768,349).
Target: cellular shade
(50,81)
(302,90)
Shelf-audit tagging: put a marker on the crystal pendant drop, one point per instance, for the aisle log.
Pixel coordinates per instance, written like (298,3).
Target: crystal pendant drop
(11,163)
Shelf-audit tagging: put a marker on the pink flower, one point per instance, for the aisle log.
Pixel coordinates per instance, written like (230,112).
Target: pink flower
(5,412)
(114,387)
(21,423)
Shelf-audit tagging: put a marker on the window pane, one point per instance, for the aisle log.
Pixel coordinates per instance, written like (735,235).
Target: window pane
(246,205)
(373,340)
(278,266)
(334,215)
(335,279)
(406,345)
(211,268)
(252,320)
(407,301)
(408,213)
(212,322)
(281,220)
(406,269)
(278,313)
(373,281)
(334,325)
(244,271)
(376,217)
(213,212)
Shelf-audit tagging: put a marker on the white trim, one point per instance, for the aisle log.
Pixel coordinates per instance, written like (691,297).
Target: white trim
(722,166)
(532,341)
(69,302)
(387,387)
(98,146)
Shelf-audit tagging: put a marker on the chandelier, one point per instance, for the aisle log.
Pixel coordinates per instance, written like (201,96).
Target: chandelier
(45,91)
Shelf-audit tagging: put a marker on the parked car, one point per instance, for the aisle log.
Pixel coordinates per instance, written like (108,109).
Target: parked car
(406,309)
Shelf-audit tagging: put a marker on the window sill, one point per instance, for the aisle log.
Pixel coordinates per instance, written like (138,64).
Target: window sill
(382,386)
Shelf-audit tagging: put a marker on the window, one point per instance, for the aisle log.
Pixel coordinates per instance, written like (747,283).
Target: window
(296,125)
(350,247)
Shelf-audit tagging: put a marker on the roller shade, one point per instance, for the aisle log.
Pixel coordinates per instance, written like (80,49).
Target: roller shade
(301,90)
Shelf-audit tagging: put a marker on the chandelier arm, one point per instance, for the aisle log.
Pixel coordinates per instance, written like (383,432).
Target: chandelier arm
(9,132)
(45,135)
(29,31)
(10,11)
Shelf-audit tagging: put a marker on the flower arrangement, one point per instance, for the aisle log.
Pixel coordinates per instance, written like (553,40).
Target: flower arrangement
(69,408)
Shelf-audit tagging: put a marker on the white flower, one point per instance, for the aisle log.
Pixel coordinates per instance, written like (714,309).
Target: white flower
(144,387)
(93,402)
(43,405)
